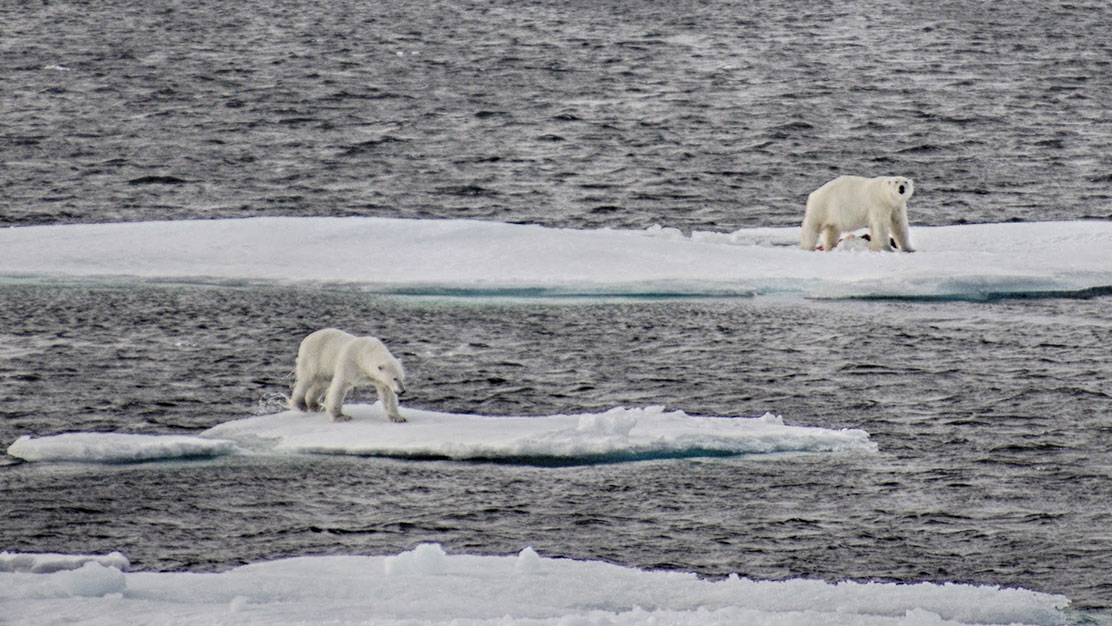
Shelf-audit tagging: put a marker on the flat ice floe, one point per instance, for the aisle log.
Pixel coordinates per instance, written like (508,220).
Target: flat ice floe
(616,435)
(462,257)
(621,434)
(426,586)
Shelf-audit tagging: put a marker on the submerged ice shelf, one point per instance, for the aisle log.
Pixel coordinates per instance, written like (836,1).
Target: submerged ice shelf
(476,258)
(426,586)
(618,435)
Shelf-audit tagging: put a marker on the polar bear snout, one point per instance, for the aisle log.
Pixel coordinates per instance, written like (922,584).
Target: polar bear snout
(904,188)
(393,377)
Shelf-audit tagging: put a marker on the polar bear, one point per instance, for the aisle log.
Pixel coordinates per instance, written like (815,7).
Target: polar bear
(333,358)
(851,202)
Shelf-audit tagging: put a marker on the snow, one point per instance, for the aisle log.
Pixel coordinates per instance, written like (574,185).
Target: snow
(462,257)
(427,586)
(621,434)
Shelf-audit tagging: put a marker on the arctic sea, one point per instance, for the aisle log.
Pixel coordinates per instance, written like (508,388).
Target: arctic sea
(631,398)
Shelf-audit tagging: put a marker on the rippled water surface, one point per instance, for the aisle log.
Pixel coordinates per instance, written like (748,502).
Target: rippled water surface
(711,114)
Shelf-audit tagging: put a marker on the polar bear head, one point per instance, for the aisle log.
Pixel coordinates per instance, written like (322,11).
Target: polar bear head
(899,189)
(389,371)
(376,363)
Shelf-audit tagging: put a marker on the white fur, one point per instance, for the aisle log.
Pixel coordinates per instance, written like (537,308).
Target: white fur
(334,359)
(851,202)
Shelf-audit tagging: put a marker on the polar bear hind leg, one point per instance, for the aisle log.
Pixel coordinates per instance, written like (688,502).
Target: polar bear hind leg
(830,236)
(306,393)
(812,225)
(315,394)
(314,367)
(297,399)
(809,237)
(811,233)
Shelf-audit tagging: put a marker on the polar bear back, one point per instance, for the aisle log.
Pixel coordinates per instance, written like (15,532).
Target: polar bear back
(319,353)
(848,202)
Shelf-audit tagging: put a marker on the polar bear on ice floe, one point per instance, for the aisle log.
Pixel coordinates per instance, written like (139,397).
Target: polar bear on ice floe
(334,359)
(851,202)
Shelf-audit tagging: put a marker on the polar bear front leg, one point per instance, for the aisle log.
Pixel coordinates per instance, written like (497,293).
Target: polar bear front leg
(830,235)
(334,399)
(389,402)
(900,229)
(879,236)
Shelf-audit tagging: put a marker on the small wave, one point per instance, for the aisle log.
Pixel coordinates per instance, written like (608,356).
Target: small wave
(157,180)
(371,146)
(467,190)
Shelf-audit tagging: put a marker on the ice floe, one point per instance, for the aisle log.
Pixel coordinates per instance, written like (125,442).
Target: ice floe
(616,435)
(426,586)
(477,258)
(621,434)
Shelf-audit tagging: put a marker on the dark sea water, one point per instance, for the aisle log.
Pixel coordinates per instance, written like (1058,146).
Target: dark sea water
(993,420)
(708,114)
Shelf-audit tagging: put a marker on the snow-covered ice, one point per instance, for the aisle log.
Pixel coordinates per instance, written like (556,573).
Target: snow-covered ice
(465,257)
(621,434)
(618,434)
(427,586)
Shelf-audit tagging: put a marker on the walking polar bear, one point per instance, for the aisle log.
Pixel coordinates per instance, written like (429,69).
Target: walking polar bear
(851,202)
(334,359)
